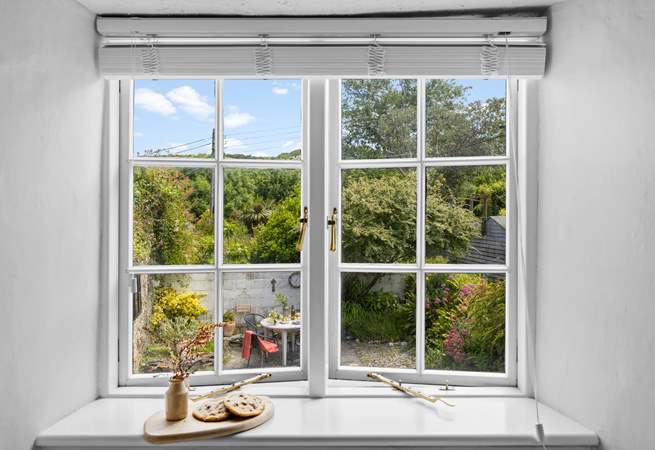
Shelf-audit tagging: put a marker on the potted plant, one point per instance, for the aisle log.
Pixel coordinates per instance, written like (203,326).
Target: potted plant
(187,341)
(284,302)
(229,323)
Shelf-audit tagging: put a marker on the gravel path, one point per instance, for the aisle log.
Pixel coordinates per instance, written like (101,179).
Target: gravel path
(377,354)
(353,353)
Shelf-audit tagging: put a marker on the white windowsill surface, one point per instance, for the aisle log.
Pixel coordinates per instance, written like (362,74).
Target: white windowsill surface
(336,388)
(341,419)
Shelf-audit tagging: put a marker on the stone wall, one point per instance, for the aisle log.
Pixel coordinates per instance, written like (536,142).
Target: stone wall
(258,289)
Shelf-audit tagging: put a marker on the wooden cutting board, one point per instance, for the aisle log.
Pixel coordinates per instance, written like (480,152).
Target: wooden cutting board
(158,430)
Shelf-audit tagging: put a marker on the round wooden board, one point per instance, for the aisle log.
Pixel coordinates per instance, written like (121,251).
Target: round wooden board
(158,430)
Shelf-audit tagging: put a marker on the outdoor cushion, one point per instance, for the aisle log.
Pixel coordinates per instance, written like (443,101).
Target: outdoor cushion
(267,346)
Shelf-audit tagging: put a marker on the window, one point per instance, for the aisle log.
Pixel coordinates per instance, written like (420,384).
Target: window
(215,179)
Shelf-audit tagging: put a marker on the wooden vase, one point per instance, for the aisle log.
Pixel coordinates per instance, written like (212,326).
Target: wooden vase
(177,400)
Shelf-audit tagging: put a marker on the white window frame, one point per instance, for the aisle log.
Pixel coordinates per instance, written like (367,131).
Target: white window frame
(322,161)
(336,164)
(217,163)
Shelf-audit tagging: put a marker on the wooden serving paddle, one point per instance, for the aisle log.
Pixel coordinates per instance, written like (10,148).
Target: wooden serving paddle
(158,430)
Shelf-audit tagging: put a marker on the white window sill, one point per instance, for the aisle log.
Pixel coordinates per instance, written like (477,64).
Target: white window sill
(476,421)
(336,388)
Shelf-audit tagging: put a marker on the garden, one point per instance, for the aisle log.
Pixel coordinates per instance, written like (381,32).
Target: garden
(173,224)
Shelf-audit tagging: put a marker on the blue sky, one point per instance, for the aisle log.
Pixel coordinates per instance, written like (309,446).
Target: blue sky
(261,117)
(484,89)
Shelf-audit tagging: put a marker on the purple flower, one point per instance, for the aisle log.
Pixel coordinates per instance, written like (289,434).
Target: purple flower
(466,290)
(454,345)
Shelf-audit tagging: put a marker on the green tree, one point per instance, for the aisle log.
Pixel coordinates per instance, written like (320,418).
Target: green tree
(378,119)
(275,241)
(379,219)
(166,230)
(458,127)
(449,225)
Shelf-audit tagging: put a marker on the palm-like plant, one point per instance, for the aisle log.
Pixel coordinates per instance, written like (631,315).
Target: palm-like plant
(258,213)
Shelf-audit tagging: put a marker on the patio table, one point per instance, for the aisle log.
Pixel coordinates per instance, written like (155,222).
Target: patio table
(291,327)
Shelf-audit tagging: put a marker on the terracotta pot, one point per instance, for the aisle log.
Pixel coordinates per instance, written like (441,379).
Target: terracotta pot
(229,327)
(177,400)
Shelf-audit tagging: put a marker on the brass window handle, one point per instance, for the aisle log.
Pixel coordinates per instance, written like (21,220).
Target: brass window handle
(303,229)
(332,222)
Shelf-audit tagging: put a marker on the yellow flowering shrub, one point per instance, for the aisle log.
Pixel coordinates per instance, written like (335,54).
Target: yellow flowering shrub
(169,304)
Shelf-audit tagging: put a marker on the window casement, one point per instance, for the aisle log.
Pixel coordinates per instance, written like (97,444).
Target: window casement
(421,285)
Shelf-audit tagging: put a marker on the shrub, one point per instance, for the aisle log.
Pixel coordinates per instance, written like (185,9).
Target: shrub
(229,316)
(485,327)
(238,244)
(366,325)
(465,317)
(376,315)
(275,240)
(170,304)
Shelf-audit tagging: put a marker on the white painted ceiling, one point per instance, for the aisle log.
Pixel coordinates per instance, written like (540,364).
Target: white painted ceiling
(302,7)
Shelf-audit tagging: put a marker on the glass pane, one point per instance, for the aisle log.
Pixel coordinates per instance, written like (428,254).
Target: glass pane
(266,304)
(378,326)
(378,119)
(465,322)
(173,216)
(262,119)
(465,118)
(261,213)
(378,215)
(174,118)
(166,309)
(465,215)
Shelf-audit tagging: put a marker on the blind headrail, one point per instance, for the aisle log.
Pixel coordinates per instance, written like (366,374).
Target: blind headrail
(330,47)
(469,26)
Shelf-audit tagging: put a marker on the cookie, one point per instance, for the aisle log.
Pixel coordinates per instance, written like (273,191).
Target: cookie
(244,405)
(211,411)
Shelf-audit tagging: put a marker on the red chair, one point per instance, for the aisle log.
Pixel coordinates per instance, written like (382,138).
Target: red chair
(263,344)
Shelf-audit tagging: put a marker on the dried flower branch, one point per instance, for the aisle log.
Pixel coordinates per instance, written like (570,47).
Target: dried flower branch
(186,341)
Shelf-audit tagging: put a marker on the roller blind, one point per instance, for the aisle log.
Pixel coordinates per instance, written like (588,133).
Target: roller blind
(202,47)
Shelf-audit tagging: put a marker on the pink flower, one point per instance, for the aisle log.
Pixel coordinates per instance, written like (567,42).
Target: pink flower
(466,290)
(454,345)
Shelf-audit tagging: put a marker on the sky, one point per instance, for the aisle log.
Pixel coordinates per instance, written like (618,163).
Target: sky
(261,117)
(484,89)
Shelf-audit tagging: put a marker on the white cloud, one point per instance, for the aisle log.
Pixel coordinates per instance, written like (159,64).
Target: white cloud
(261,155)
(153,102)
(234,144)
(292,145)
(280,90)
(191,102)
(237,119)
(138,134)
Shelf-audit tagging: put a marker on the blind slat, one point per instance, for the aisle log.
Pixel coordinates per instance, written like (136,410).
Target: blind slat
(314,61)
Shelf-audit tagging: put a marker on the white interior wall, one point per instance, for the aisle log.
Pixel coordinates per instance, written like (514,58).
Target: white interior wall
(596,282)
(51,102)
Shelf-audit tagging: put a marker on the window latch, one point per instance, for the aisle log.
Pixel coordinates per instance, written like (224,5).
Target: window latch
(303,228)
(332,223)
